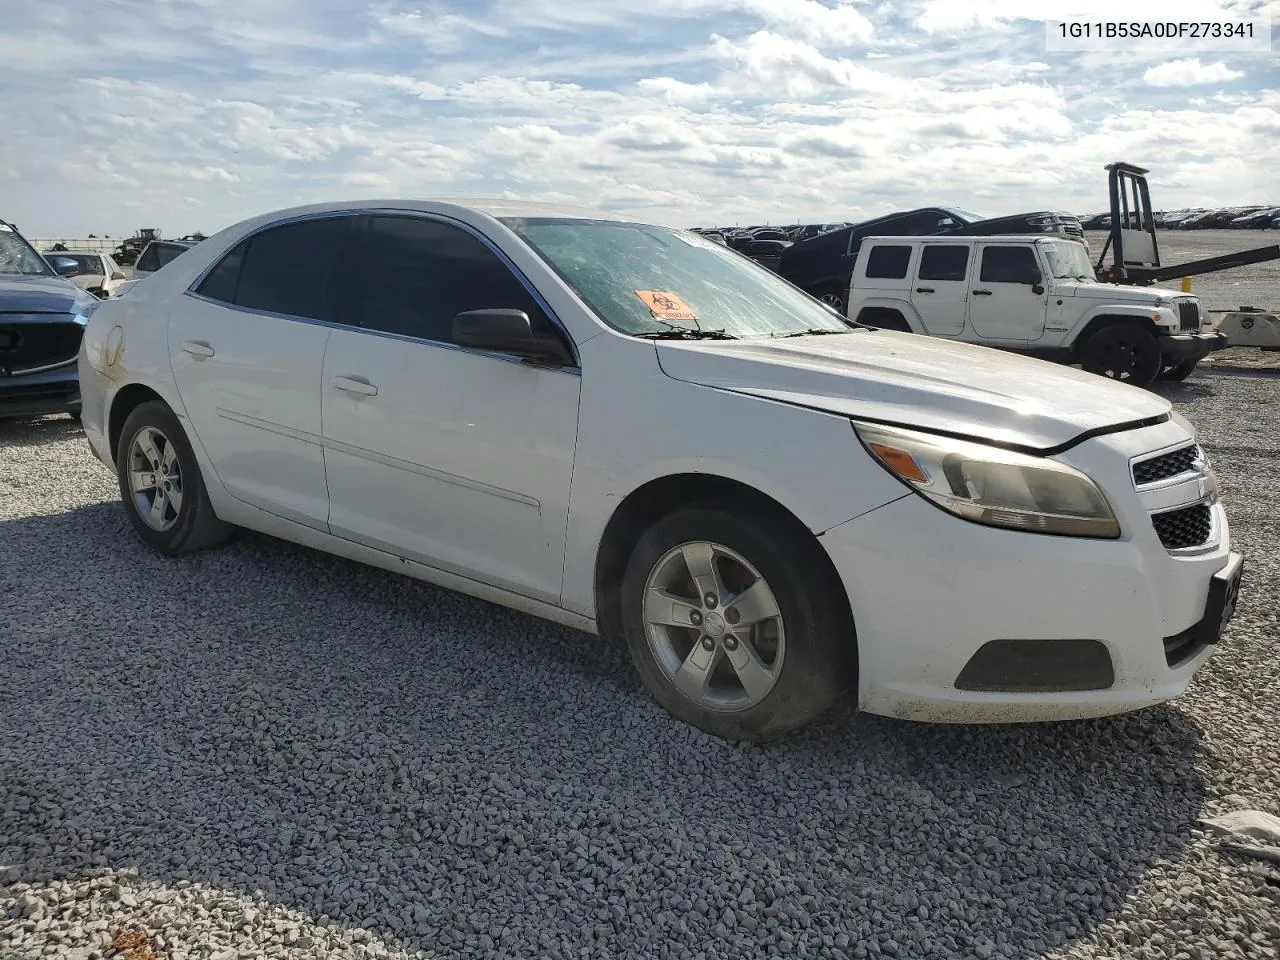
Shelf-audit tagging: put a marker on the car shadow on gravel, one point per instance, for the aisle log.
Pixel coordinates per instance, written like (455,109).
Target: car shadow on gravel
(38,432)
(372,751)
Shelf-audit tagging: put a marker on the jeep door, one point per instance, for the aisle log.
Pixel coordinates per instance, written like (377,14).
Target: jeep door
(1008,300)
(941,287)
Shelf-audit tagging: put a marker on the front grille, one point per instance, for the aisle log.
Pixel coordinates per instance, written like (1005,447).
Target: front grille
(1187,527)
(1166,465)
(1189,314)
(28,346)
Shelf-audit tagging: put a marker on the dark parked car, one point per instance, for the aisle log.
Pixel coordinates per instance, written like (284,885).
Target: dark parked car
(42,318)
(823,266)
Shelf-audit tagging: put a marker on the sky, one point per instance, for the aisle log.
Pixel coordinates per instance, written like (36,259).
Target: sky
(193,114)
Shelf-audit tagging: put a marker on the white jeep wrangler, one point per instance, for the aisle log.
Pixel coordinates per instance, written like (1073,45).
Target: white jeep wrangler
(1035,295)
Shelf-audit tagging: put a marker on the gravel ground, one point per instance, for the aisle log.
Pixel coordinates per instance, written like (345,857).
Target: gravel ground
(264,751)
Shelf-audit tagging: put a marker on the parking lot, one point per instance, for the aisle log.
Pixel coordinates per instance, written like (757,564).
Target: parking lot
(266,751)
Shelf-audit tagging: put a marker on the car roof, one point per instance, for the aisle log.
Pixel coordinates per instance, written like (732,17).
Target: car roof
(80,253)
(498,208)
(967,238)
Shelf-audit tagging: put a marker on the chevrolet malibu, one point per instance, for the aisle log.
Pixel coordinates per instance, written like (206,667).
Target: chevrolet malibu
(631,430)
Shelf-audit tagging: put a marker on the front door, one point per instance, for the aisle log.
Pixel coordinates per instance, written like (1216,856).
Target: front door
(247,351)
(941,288)
(1007,301)
(453,457)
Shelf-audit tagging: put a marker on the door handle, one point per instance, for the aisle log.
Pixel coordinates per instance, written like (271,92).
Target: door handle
(982,293)
(355,385)
(198,349)
(924,289)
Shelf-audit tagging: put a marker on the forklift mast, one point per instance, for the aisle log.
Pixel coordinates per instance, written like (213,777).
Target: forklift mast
(1135,251)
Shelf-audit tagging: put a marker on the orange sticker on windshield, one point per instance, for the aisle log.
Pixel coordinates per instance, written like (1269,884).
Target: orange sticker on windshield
(666,305)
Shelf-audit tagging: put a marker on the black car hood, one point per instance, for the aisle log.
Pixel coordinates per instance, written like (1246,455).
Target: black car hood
(41,295)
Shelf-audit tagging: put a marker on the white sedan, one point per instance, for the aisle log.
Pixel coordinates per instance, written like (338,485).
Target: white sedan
(94,272)
(632,430)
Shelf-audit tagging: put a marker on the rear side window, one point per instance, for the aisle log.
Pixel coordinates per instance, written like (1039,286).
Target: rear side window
(286,269)
(220,284)
(944,262)
(417,275)
(168,252)
(150,259)
(1009,265)
(888,263)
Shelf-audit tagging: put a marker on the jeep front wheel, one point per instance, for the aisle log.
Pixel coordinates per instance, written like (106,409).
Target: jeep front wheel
(1123,352)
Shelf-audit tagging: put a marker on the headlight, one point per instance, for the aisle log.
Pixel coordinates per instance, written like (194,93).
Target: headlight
(996,487)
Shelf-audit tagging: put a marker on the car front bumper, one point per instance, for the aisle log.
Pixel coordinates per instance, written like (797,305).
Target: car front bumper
(39,394)
(1180,347)
(947,611)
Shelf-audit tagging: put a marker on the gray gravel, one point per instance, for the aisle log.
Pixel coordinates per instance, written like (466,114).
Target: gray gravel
(264,751)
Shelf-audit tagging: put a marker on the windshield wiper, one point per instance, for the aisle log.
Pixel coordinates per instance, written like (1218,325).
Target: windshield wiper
(687,335)
(815,332)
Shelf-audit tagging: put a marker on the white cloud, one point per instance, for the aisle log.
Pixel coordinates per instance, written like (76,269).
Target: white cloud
(686,110)
(1188,73)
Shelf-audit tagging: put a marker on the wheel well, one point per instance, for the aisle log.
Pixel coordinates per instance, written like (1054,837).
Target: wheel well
(1101,323)
(646,505)
(887,317)
(126,401)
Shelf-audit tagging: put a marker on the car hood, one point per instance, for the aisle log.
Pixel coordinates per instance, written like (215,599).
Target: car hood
(41,295)
(916,381)
(1109,291)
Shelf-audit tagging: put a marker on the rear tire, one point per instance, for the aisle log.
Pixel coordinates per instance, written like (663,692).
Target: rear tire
(1124,352)
(161,486)
(883,318)
(1179,371)
(740,632)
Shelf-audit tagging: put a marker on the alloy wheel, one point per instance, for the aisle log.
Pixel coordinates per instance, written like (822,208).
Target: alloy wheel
(714,626)
(155,479)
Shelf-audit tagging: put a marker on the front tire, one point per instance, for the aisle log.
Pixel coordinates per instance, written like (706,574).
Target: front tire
(743,634)
(161,486)
(1124,352)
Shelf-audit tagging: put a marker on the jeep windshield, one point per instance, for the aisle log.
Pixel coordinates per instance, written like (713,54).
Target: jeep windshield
(651,281)
(1068,261)
(18,257)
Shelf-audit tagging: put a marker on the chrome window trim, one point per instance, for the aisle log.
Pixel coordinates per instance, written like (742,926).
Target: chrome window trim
(524,281)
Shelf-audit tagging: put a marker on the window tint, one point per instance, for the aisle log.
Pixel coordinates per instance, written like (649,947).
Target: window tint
(417,275)
(286,270)
(168,252)
(939,262)
(888,263)
(221,282)
(1009,265)
(150,259)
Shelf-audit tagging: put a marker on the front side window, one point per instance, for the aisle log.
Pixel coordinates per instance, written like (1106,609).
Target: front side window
(638,277)
(149,262)
(944,262)
(1009,265)
(19,257)
(416,275)
(286,269)
(888,263)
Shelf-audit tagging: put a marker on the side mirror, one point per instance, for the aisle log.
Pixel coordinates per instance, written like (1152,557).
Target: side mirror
(65,266)
(118,275)
(508,331)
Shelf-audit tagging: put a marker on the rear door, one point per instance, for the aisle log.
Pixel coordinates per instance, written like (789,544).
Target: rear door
(1008,299)
(247,346)
(940,291)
